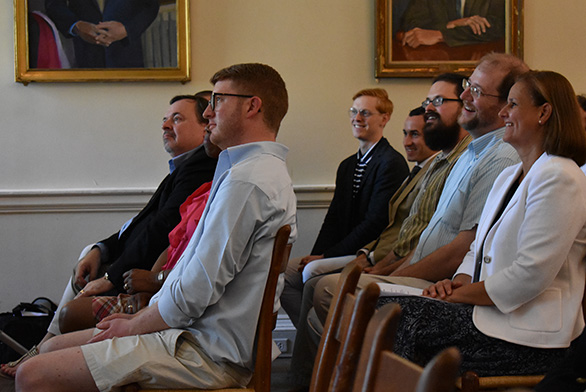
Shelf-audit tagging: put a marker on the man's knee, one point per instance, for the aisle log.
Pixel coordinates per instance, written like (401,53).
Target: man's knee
(292,291)
(292,275)
(28,375)
(323,294)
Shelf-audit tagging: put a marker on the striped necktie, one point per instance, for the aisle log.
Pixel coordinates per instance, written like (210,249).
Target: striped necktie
(359,171)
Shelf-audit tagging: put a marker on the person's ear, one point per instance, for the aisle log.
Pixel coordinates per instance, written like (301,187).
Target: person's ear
(254,105)
(545,113)
(385,119)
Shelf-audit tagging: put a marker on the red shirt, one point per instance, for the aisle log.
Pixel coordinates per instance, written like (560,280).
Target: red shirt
(191,211)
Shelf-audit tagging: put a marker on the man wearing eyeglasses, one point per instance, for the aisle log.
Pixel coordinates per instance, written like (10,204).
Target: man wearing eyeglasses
(199,329)
(365,182)
(442,132)
(452,228)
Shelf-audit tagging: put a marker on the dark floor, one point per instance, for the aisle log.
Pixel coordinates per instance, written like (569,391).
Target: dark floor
(279,371)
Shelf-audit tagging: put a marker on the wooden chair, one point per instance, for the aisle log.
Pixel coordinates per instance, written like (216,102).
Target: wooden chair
(343,334)
(471,382)
(381,370)
(261,379)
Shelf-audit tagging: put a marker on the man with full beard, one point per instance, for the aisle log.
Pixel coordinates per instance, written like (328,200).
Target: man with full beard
(441,132)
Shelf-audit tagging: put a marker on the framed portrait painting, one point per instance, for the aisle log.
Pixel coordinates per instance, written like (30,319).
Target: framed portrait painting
(424,38)
(101,40)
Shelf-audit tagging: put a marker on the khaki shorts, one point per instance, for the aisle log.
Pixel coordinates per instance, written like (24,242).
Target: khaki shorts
(166,359)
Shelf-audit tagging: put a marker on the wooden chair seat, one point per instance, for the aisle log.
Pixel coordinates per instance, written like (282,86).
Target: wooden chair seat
(261,379)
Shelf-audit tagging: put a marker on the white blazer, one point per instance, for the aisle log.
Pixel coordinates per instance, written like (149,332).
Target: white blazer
(533,257)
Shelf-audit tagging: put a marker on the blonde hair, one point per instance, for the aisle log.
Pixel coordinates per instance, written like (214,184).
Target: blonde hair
(383,104)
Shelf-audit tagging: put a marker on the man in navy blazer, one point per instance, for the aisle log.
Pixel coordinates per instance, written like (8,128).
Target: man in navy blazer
(365,181)
(142,239)
(107,34)
(359,211)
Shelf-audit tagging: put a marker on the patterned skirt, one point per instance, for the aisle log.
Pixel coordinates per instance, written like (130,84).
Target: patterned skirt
(102,307)
(428,326)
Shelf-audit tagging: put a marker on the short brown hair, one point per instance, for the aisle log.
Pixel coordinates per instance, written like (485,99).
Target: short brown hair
(564,135)
(383,104)
(261,81)
(514,65)
(201,100)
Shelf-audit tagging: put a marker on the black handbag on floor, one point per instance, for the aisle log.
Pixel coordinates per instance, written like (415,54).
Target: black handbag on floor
(27,324)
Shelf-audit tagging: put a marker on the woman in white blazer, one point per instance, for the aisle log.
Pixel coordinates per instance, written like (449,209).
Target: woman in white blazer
(514,304)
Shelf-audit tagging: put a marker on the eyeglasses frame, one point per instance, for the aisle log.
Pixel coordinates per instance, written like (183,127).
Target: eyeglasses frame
(441,100)
(361,112)
(475,91)
(212,101)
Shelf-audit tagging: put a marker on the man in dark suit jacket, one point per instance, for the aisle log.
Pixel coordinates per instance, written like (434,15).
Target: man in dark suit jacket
(364,182)
(141,240)
(108,37)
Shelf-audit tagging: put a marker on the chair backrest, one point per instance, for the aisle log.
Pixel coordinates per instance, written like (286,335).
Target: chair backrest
(440,374)
(343,333)
(380,369)
(261,379)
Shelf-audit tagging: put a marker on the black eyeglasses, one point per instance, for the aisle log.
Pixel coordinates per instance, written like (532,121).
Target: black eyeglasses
(216,96)
(353,112)
(438,101)
(475,90)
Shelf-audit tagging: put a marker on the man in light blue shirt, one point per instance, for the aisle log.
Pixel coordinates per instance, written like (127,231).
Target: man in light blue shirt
(452,228)
(200,327)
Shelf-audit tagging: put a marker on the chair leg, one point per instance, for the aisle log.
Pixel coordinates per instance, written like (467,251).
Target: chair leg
(470,382)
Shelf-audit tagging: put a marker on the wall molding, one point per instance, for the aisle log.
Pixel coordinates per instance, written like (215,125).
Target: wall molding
(40,201)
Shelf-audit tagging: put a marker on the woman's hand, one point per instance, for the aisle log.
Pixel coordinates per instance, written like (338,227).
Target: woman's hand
(442,289)
(95,287)
(139,301)
(138,280)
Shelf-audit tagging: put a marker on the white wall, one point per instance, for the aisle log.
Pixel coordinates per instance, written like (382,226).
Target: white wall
(81,140)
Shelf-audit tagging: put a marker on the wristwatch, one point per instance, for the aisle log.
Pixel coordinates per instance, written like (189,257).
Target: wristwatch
(161,277)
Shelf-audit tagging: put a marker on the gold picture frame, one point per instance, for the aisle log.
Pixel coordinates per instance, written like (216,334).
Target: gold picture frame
(179,71)
(394,58)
